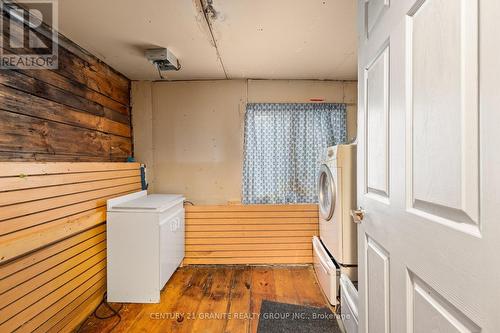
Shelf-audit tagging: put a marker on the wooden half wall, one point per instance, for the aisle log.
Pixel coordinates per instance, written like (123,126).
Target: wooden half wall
(250,234)
(77,112)
(53,240)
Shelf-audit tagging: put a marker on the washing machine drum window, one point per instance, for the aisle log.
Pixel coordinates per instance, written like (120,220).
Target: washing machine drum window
(326,192)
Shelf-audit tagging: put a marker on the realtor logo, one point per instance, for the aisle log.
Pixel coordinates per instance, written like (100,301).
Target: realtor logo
(28,34)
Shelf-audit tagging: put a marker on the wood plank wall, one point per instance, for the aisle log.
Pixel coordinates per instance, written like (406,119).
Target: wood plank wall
(78,112)
(53,240)
(250,234)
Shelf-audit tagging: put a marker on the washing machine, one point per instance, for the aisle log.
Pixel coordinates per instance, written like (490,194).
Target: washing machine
(335,251)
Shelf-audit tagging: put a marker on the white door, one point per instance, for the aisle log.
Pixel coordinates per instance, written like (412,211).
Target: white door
(429,165)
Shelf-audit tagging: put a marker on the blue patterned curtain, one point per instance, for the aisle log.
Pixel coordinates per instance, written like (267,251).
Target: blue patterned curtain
(284,144)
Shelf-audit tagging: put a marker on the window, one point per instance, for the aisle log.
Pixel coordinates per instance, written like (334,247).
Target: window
(284,145)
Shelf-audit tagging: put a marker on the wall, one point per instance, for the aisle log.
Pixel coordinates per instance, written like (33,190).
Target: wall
(52,214)
(142,121)
(78,112)
(196,137)
(250,234)
(53,240)
(191,133)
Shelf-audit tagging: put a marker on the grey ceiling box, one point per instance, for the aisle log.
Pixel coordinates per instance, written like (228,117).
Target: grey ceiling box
(163,59)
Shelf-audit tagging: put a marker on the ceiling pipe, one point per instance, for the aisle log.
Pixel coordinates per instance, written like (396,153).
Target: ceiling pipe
(209,13)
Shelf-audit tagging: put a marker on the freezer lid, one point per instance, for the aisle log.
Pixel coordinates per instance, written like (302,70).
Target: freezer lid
(149,203)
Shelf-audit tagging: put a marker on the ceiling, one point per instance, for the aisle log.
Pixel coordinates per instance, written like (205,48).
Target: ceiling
(260,39)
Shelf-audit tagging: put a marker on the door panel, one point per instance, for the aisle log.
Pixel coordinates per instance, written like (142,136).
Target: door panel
(377,125)
(428,257)
(443,114)
(377,267)
(430,312)
(374,11)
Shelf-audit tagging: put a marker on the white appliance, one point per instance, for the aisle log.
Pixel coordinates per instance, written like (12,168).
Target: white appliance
(349,302)
(145,245)
(327,271)
(337,246)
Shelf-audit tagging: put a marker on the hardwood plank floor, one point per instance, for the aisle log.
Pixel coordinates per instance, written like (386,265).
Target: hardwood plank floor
(214,299)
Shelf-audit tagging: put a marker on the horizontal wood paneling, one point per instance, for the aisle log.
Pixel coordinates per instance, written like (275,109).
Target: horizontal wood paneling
(19,183)
(22,196)
(21,102)
(76,312)
(251,214)
(20,133)
(78,112)
(252,227)
(252,208)
(26,208)
(247,247)
(48,219)
(76,64)
(261,220)
(248,240)
(283,260)
(36,261)
(78,89)
(250,234)
(53,240)
(36,168)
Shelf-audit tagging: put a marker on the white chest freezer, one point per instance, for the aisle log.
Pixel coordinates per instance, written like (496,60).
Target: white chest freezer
(145,245)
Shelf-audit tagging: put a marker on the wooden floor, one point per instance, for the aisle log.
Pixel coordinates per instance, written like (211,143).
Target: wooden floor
(199,299)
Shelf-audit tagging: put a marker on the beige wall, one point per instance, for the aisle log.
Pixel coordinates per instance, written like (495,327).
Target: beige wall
(142,125)
(302,91)
(190,133)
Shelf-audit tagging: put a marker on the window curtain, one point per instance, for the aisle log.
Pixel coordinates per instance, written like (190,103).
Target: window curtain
(284,145)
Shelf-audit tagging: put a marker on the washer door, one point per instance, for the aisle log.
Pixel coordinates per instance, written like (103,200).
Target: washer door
(326,192)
